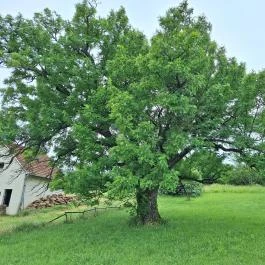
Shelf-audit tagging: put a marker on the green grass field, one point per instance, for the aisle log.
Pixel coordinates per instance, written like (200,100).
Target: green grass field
(224,226)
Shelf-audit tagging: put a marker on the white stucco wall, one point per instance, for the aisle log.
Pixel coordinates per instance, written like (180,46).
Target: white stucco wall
(35,188)
(11,177)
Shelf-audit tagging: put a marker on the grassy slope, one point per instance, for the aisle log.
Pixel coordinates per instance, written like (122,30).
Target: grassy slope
(33,217)
(218,228)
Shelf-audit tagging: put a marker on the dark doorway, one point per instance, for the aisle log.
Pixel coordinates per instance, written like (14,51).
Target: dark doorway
(7,197)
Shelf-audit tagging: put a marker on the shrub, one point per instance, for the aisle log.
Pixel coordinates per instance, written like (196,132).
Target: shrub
(187,188)
(243,175)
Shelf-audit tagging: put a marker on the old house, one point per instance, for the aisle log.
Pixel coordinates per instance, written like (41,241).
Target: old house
(21,183)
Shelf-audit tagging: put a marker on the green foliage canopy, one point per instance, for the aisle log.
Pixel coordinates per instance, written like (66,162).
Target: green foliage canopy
(121,112)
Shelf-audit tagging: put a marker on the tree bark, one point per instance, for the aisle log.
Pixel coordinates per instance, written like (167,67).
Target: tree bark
(146,209)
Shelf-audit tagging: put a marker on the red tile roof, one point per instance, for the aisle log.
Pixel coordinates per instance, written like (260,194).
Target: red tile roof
(39,167)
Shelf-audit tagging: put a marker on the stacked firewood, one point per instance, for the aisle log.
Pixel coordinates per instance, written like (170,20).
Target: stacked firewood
(51,200)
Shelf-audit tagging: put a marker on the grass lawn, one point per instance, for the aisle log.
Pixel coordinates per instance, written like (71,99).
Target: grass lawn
(31,218)
(224,226)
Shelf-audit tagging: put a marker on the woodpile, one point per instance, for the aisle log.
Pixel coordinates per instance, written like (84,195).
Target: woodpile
(51,200)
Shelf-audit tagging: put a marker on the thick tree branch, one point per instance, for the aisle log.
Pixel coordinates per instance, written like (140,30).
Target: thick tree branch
(162,136)
(202,181)
(175,159)
(228,149)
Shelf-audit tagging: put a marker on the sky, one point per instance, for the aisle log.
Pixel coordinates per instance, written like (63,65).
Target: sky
(238,25)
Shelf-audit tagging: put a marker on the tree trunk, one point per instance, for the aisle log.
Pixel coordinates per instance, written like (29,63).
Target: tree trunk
(146,210)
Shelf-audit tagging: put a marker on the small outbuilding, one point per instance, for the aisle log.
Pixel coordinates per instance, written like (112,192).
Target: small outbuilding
(22,182)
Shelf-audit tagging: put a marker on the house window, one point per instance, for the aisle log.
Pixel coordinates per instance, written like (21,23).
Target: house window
(7,197)
(2,164)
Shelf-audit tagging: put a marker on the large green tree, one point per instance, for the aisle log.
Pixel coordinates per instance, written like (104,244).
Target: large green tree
(120,112)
